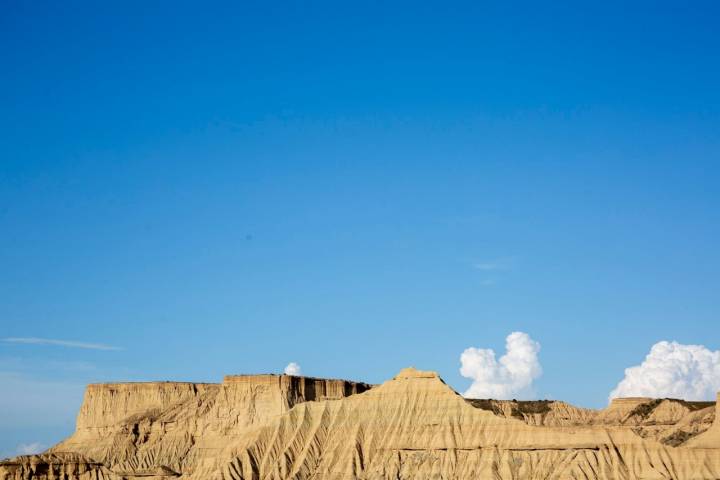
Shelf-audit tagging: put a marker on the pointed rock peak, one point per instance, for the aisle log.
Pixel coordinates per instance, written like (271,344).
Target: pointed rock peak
(412,372)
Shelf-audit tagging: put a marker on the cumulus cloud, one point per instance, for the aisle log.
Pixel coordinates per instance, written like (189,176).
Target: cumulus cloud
(293,369)
(671,369)
(510,377)
(61,343)
(30,448)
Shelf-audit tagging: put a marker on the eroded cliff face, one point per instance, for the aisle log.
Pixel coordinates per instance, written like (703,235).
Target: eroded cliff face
(411,427)
(709,440)
(47,465)
(136,428)
(669,421)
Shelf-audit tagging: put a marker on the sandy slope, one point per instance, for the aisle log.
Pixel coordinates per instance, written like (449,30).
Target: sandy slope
(411,427)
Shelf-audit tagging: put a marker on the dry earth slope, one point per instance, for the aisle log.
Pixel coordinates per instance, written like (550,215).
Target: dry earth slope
(411,427)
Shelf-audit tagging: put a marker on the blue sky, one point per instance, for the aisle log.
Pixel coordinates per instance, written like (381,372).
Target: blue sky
(357,188)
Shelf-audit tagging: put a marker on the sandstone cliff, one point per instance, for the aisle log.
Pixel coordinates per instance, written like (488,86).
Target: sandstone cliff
(411,427)
(669,421)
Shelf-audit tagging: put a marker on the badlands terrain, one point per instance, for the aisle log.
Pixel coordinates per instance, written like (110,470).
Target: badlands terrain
(411,427)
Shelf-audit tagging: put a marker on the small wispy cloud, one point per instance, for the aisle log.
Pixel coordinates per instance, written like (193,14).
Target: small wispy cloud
(494,265)
(59,343)
(487,266)
(30,448)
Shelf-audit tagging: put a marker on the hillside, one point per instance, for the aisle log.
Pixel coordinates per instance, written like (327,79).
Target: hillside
(411,427)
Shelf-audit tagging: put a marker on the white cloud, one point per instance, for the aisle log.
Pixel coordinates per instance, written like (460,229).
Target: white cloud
(488,266)
(61,343)
(293,369)
(671,369)
(493,265)
(30,448)
(510,377)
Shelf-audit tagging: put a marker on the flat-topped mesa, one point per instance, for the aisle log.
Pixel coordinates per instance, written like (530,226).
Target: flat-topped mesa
(537,412)
(620,408)
(107,404)
(288,390)
(629,402)
(301,387)
(650,411)
(142,426)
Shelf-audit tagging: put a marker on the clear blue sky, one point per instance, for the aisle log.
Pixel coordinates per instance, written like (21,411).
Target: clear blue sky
(226,188)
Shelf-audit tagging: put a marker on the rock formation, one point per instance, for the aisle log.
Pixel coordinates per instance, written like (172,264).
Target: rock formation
(669,421)
(411,427)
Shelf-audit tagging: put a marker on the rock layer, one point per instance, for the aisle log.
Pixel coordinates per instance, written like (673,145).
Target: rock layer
(669,421)
(411,427)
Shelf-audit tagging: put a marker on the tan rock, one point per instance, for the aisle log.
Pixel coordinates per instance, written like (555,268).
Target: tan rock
(411,427)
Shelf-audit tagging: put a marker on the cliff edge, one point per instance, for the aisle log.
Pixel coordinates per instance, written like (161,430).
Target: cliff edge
(411,427)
